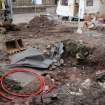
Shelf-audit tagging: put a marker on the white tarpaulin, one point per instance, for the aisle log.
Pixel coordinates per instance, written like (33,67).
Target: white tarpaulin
(65,10)
(37,1)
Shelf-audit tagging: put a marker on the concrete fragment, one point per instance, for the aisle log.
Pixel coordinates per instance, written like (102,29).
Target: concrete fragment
(79,93)
(86,84)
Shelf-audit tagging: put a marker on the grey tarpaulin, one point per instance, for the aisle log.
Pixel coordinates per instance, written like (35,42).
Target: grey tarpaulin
(33,57)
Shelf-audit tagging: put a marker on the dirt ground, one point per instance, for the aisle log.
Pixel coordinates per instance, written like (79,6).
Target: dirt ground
(75,84)
(24,18)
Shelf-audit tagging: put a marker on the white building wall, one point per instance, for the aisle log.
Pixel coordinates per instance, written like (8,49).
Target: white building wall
(93,9)
(98,6)
(102,8)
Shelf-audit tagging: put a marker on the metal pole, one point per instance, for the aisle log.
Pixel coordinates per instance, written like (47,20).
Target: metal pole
(35,6)
(8,10)
(81,9)
(79,30)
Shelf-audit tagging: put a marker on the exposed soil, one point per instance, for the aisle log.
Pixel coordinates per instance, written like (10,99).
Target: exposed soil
(37,27)
(40,32)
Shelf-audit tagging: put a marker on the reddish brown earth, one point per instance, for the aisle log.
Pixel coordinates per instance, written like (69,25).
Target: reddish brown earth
(41,32)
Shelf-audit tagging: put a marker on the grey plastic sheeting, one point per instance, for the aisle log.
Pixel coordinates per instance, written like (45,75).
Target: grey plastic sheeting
(29,53)
(31,57)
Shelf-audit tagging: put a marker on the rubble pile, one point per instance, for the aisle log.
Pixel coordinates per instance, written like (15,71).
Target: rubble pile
(97,57)
(40,23)
(37,27)
(77,52)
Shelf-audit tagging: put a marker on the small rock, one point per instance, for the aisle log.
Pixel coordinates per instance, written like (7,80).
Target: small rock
(30,35)
(46,88)
(102,84)
(100,76)
(49,46)
(45,51)
(86,84)
(61,61)
(54,97)
(53,67)
(79,93)
(53,81)
(68,84)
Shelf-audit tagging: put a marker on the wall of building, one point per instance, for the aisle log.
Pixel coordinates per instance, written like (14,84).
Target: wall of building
(48,2)
(22,3)
(98,6)
(102,7)
(29,2)
(94,8)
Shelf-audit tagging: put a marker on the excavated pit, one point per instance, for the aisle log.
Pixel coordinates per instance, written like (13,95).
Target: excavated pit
(83,57)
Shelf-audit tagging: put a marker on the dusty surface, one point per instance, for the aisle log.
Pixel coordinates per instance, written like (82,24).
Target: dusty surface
(24,18)
(75,84)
